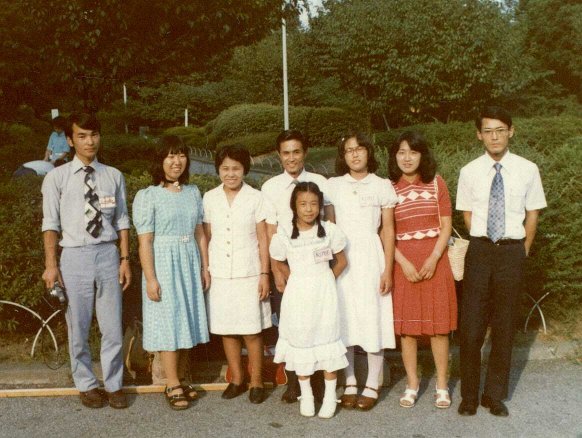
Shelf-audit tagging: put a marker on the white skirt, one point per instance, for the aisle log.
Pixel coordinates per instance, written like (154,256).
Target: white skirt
(234,307)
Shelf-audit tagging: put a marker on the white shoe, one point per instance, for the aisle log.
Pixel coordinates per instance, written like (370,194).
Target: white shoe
(307,406)
(327,408)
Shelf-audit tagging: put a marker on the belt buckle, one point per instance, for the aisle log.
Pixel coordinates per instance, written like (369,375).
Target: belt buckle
(185,239)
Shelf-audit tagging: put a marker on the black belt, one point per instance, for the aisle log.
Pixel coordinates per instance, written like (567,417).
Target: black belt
(500,241)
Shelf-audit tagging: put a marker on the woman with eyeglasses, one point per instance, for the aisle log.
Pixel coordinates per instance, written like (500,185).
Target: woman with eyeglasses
(364,210)
(424,290)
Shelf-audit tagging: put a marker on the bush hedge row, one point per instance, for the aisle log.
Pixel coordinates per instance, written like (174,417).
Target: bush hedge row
(554,265)
(322,126)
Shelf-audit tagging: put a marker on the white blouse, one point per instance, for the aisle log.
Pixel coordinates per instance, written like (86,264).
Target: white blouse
(234,247)
(358,203)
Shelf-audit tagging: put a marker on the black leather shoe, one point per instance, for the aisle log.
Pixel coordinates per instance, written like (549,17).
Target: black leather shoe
(233,390)
(467,408)
(292,392)
(496,407)
(92,398)
(257,395)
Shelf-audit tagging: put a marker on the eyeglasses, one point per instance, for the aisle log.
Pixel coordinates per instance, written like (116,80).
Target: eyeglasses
(500,132)
(357,150)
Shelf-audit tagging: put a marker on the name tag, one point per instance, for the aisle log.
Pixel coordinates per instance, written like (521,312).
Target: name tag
(107,202)
(367,200)
(322,255)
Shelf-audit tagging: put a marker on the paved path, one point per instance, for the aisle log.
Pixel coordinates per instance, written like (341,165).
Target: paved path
(546,401)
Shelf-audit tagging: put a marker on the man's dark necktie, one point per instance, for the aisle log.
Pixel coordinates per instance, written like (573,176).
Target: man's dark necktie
(93,219)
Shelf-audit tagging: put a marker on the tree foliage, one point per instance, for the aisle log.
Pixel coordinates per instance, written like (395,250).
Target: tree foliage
(554,37)
(94,46)
(420,59)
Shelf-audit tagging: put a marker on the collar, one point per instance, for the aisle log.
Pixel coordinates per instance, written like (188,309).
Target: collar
(506,162)
(77,164)
(288,179)
(404,182)
(366,180)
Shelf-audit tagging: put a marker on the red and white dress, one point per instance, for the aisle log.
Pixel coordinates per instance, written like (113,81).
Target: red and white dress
(428,307)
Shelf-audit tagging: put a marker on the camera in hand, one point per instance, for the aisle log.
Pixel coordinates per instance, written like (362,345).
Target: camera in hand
(57,294)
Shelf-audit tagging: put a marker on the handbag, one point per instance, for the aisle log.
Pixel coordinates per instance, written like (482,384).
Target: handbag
(457,251)
(138,362)
(457,247)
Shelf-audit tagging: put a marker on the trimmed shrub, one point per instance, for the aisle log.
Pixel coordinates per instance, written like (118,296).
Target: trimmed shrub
(118,148)
(322,126)
(192,136)
(257,144)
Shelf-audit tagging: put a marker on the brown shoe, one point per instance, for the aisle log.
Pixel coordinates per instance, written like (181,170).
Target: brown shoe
(366,403)
(92,398)
(117,399)
(348,401)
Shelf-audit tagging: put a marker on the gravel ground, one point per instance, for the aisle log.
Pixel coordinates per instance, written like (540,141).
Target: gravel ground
(545,401)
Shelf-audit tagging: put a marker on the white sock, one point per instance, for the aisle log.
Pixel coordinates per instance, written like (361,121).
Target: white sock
(330,386)
(375,364)
(350,373)
(305,386)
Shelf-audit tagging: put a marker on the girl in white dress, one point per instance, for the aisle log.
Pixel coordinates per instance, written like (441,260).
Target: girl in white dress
(309,332)
(364,207)
(238,306)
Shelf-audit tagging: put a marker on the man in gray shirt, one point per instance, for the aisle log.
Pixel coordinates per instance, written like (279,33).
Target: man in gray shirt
(84,201)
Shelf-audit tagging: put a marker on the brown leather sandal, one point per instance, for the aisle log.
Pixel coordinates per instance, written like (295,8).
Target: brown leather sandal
(176,398)
(366,403)
(348,401)
(189,391)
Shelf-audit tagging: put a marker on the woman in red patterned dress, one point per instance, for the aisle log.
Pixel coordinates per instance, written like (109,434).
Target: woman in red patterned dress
(424,290)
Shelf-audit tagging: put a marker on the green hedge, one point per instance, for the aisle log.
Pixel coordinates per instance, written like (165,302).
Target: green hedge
(257,144)
(540,133)
(322,126)
(192,136)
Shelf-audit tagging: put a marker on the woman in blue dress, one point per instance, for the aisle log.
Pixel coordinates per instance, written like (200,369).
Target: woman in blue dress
(172,250)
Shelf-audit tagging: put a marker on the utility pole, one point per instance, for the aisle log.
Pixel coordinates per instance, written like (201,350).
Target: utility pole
(285,87)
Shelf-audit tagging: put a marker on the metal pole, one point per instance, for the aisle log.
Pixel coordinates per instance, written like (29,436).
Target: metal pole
(285,88)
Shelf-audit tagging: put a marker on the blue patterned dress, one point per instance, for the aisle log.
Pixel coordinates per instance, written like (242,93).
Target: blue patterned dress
(178,320)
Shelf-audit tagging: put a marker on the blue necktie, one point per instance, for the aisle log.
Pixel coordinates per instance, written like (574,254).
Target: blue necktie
(496,214)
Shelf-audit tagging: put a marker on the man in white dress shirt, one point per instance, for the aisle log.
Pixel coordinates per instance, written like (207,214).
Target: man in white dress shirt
(292,149)
(500,195)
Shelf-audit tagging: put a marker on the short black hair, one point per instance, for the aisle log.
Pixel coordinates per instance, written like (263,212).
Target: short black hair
(169,144)
(83,121)
(311,187)
(493,112)
(341,168)
(59,122)
(236,152)
(292,134)
(417,142)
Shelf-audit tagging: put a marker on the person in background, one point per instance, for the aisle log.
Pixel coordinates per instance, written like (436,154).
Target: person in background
(237,302)
(424,289)
(85,202)
(500,195)
(58,147)
(173,254)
